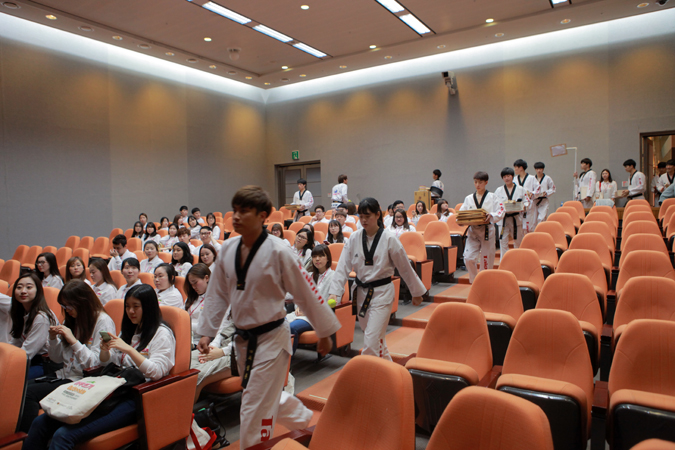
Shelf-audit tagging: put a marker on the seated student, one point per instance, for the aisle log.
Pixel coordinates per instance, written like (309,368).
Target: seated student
(208,255)
(5,318)
(420,210)
(151,250)
(183,217)
(167,293)
(171,238)
(512,225)
(304,243)
(146,343)
(47,270)
(319,215)
(195,288)
(143,219)
(206,237)
(322,274)
(389,218)
(344,208)
(278,231)
(75,270)
(341,217)
(400,224)
(480,241)
(103,284)
(607,187)
(215,229)
(335,235)
(31,319)
(544,188)
(197,213)
(437,186)
(119,252)
(151,234)
(310,227)
(184,237)
(214,365)
(194,227)
(164,223)
(178,220)
(130,270)
(181,259)
(75,344)
(443,210)
(138,230)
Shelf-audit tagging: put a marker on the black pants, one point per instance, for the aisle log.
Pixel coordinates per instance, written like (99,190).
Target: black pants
(34,393)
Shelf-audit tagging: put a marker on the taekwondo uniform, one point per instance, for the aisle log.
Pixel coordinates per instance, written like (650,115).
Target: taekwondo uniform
(338,195)
(586,179)
(529,185)
(513,222)
(306,200)
(541,203)
(637,185)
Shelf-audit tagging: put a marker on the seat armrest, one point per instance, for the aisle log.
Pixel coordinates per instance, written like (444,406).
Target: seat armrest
(405,360)
(152,385)
(93,371)
(607,333)
(611,294)
(343,305)
(13,439)
(600,399)
(300,436)
(490,378)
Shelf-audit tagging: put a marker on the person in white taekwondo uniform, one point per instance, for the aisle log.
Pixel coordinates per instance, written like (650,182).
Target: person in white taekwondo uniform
(513,223)
(529,185)
(374,253)
(252,275)
(338,194)
(637,183)
(585,181)
(545,188)
(304,198)
(667,178)
(480,239)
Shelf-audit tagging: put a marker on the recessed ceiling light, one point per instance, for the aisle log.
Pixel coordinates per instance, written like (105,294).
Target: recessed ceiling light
(11,5)
(86,28)
(192,61)
(284,67)
(302,75)
(214,7)
(387,57)
(414,23)
(267,84)
(212,66)
(643,5)
(144,46)
(307,49)
(565,21)
(208,39)
(373,46)
(232,72)
(343,67)
(499,35)
(489,20)
(249,78)
(305,7)
(391,5)
(117,38)
(169,53)
(272,33)
(440,46)
(50,17)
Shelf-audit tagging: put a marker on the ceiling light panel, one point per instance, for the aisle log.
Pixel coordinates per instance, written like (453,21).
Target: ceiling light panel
(392,5)
(307,49)
(222,11)
(414,23)
(406,16)
(555,3)
(272,33)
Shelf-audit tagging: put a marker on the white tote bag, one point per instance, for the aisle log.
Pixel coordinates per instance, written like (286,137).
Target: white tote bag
(72,402)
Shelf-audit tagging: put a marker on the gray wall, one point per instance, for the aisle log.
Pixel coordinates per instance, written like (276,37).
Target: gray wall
(85,147)
(389,137)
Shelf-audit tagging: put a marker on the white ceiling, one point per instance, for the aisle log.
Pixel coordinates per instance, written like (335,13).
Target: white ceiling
(344,29)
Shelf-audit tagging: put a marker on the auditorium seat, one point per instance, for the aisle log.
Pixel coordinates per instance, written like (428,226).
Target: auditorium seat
(147,278)
(113,234)
(639,226)
(195,259)
(229,214)
(165,257)
(543,244)
(321,226)
(411,208)
(31,256)
(637,205)
(50,249)
(351,225)
(595,243)
(83,253)
(64,254)
(4,288)
(502,307)
(276,216)
(118,278)
(85,242)
(115,309)
(456,236)
(20,253)
(484,419)
(547,363)
(179,282)
(557,232)
(52,297)
(565,220)
(100,248)
(655,444)
(289,235)
(573,213)
(578,206)
(135,244)
(353,419)
(62,272)
(606,218)
(413,244)
(438,242)
(587,263)
(663,209)
(345,335)
(634,216)
(296,226)
(454,353)
(575,293)
(641,385)
(305,219)
(163,233)
(642,241)
(12,390)
(72,242)
(10,271)
(602,229)
(613,213)
(319,236)
(524,264)
(227,225)
(425,220)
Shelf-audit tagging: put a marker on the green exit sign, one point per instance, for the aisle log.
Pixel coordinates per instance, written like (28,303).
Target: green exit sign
(295,155)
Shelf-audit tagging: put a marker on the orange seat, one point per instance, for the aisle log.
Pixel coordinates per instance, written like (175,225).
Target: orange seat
(288,214)
(83,253)
(345,335)
(64,254)
(319,236)
(128,232)
(578,206)
(135,244)
(524,264)
(140,256)
(641,387)
(576,294)
(634,216)
(4,288)
(72,242)
(413,244)
(600,228)
(424,220)
(335,253)
(637,205)
(663,209)
(642,241)
(228,215)
(290,237)
(613,213)
(544,245)
(85,242)
(13,383)
(587,263)
(10,271)
(118,278)
(227,225)
(165,257)
(565,220)
(573,213)
(669,229)
(502,307)
(101,248)
(276,216)
(655,444)
(180,285)
(454,353)
(52,296)
(641,263)
(606,218)
(411,208)
(548,364)
(20,253)
(595,243)
(305,219)
(147,278)
(62,272)
(296,226)
(482,419)
(30,256)
(321,226)
(437,239)
(556,231)
(50,249)
(639,226)
(115,232)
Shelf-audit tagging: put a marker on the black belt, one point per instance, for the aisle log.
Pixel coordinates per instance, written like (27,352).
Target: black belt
(487,229)
(515,225)
(369,296)
(631,197)
(252,337)
(539,200)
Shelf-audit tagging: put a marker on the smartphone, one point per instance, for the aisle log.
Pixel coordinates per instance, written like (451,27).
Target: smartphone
(105,336)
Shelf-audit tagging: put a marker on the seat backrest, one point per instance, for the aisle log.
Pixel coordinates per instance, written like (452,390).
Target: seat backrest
(667,203)
(296,226)
(335,251)
(634,216)
(438,233)
(607,209)
(319,236)
(20,252)
(556,231)
(276,216)
(128,232)
(669,224)
(644,359)
(32,254)
(63,255)
(289,235)
(13,384)
(179,321)
(505,300)
(573,293)
(600,228)
(594,242)
(478,418)
(101,245)
(321,226)
(584,262)
(180,285)
(118,278)
(83,253)
(640,263)
(86,242)
(135,244)
(227,225)
(637,205)
(646,298)
(453,227)
(524,264)
(413,244)
(50,249)
(147,278)
(411,208)
(305,219)
(424,221)
(604,217)
(543,244)
(574,214)
(227,215)
(10,271)
(115,232)
(366,386)
(115,309)
(578,206)
(4,288)
(72,242)
(52,297)
(642,241)
(655,444)
(639,226)
(433,208)
(457,332)
(565,220)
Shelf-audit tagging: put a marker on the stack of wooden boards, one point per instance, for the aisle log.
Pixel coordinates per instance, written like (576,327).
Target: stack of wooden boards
(471,217)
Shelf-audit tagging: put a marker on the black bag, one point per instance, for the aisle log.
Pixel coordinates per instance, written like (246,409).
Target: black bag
(131,374)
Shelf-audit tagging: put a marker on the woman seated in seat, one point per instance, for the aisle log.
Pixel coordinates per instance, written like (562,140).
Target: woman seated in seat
(215,365)
(170,239)
(443,210)
(420,210)
(151,234)
(31,319)
(400,224)
(138,230)
(181,258)
(207,255)
(104,286)
(75,344)
(75,270)
(335,235)
(194,227)
(130,270)
(48,270)
(211,221)
(146,343)
(197,281)
(164,223)
(278,231)
(151,250)
(167,293)
(304,243)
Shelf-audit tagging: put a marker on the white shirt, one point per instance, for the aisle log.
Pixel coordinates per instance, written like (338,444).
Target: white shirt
(416,218)
(663,182)
(491,204)
(339,193)
(637,184)
(52,281)
(160,354)
(444,218)
(399,230)
(439,185)
(195,312)
(586,179)
(149,265)
(608,190)
(196,251)
(346,229)
(323,283)
(194,232)
(303,255)
(105,292)
(168,241)
(529,185)
(545,186)
(116,262)
(36,340)
(216,232)
(324,220)
(77,357)
(307,201)
(388,220)
(5,318)
(121,292)
(182,269)
(170,297)
(156,238)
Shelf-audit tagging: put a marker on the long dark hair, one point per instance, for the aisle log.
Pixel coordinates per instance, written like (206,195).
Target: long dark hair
(79,295)
(371,206)
(340,237)
(69,264)
(406,225)
(154,230)
(424,208)
(102,267)
(133,230)
(210,248)
(609,175)
(53,265)
(17,311)
(187,255)
(440,202)
(309,245)
(170,272)
(200,271)
(320,250)
(152,316)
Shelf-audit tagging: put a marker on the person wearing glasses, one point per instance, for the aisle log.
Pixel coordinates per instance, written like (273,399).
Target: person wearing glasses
(206,236)
(48,270)
(304,244)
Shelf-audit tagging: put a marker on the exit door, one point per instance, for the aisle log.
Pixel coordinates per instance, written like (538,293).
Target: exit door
(287,181)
